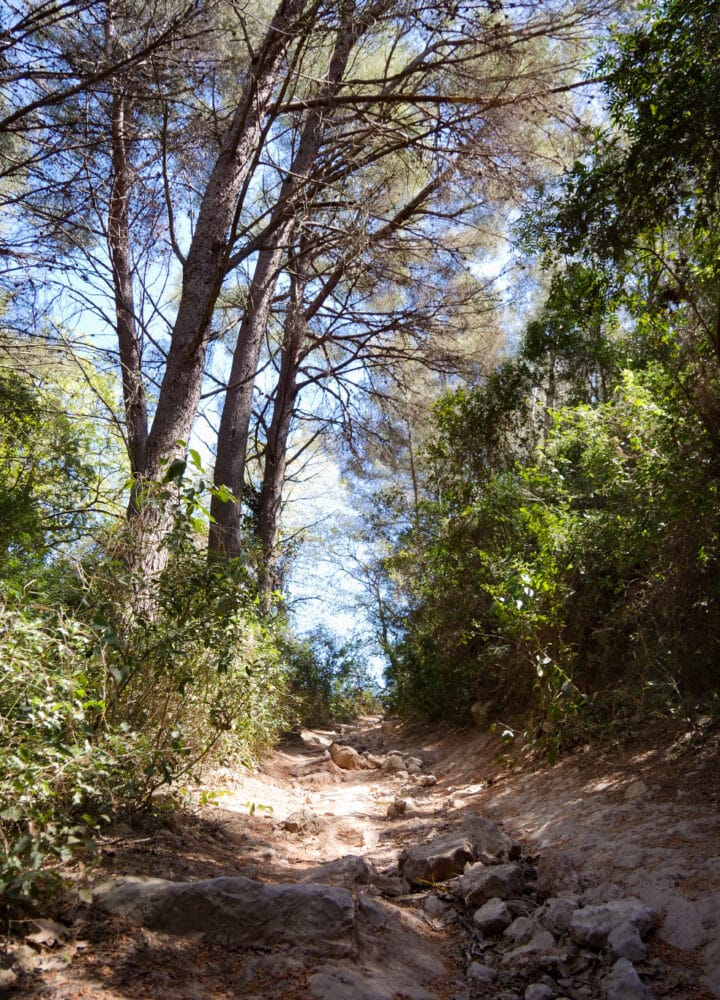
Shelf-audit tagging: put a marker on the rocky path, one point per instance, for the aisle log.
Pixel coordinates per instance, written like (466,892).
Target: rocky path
(365,865)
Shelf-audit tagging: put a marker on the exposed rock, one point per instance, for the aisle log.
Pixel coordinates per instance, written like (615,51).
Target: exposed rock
(374,760)
(346,757)
(488,837)
(393,763)
(239,911)
(481,974)
(557,913)
(592,925)
(556,873)
(302,821)
(624,941)
(683,926)
(435,907)
(480,883)
(341,983)
(398,807)
(413,768)
(427,780)
(623,983)
(371,911)
(539,991)
(349,870)
(492,917)
(522,930)
(437,861)
(635,790)
(538,951)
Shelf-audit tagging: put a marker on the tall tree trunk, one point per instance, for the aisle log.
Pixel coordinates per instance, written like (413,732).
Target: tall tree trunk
(119,246)
(225,531)
(235,420)
(203,273)
(268,528)
(205,266)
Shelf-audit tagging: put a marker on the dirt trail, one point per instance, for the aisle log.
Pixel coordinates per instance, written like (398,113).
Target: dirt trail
(639,822)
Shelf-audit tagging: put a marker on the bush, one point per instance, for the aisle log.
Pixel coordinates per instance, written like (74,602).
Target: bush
(103,703)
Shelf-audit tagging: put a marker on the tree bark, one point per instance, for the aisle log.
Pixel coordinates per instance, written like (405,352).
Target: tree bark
(268,528)
(129,345)
(205,266)
(226,526)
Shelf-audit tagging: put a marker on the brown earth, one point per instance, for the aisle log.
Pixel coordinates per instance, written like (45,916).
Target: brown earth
(659,841)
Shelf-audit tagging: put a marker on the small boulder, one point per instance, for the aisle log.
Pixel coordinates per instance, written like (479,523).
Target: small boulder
(427,780)
(556,873)
(437,861)
(540,950)
(346,757)
(522,930)
(317,918)
(489,838)
(492,917)
(375,760)
(623,983)
(483,975)
(350,870)
(635,790)
(592,925)
(480,883)
(624,941)
(539,991)
(557,913)
(302,821)
(393,763)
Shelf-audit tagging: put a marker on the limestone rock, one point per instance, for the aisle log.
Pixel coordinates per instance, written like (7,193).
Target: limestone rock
(318,918)
(539,991)
(522,930)
(435,907)
(624,941)
(557,913)
(393,763)
(480,883)
(346,757)
(375,760)
(481,974)
(556,873)
(302,821)
(437,861)
(635,790)
(489,838)
(592,925)
(349,870)
(492,917)
(623,983)
(538,951)
(427,780)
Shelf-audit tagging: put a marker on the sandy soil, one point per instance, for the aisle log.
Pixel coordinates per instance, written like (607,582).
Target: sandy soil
(659,840)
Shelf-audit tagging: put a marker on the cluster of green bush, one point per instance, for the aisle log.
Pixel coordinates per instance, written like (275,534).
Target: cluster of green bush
(588,570)
(115,684)
(565,559)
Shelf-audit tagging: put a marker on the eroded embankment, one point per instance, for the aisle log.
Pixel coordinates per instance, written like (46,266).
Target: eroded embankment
(472,874)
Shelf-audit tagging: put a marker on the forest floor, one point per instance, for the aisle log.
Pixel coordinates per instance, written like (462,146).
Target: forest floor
(640,819)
